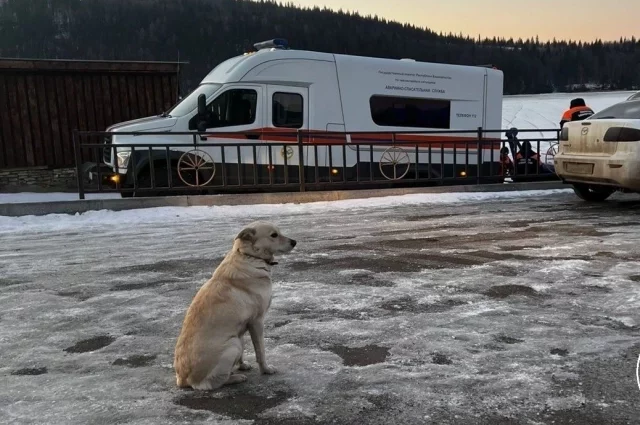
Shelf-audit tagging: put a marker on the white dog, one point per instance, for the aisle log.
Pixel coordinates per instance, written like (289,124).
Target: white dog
(233,301)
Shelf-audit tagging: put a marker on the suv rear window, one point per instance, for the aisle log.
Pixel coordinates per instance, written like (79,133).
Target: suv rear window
(625,110)
(634,96)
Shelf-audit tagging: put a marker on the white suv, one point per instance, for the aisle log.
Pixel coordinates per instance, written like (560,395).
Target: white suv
(602,153)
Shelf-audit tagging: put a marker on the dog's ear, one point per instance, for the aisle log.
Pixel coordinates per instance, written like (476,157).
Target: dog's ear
(247,234)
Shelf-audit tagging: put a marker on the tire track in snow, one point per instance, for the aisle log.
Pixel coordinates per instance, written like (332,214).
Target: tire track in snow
(545,118)
(515,115)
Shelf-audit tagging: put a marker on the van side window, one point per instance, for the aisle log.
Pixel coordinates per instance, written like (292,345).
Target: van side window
(287,110)
(389,111)
(231,108)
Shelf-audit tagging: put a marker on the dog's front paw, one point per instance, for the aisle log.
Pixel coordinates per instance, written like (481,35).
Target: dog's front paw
(244,366)
(267,370)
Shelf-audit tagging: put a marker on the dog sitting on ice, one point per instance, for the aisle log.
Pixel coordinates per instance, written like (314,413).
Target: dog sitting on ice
(234,300)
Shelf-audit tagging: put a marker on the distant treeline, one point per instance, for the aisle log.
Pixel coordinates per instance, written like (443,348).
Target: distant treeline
(206,32)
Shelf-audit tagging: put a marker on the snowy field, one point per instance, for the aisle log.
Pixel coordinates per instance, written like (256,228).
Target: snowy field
(543,111)
(525,112)
(507,308)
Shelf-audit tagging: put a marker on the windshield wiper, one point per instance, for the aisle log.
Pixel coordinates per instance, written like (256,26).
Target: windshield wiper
(165,115)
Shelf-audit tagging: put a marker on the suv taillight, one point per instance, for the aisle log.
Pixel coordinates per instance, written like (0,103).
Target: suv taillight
(564,134)
(622,134)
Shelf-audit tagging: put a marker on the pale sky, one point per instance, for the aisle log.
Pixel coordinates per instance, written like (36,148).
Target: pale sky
(585,20)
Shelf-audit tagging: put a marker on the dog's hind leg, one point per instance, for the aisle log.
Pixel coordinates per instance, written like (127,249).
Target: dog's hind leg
(222,372)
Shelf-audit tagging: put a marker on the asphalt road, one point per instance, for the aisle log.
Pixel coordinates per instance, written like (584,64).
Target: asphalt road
(503,311)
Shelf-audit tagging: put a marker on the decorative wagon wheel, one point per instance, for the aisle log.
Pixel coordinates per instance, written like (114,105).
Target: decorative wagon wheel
(398,160)
(551,153)
(288,150)
(191,163)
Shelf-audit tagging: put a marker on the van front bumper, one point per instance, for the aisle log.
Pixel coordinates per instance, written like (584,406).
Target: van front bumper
(109,179)
(107,176)
(615,170)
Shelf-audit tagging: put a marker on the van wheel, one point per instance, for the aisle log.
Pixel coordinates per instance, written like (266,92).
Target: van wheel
(160,178)
(592,193)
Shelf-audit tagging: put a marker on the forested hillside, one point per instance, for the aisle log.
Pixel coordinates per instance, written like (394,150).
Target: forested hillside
(205,32)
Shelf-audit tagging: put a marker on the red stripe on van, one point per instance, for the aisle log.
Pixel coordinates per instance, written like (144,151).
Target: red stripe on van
(334,138)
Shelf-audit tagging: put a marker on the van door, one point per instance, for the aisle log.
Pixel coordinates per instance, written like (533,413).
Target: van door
(485,98)
(239,108)
(287,112)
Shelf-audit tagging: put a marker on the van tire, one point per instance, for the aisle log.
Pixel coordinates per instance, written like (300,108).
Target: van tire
(593,193)
(161,178)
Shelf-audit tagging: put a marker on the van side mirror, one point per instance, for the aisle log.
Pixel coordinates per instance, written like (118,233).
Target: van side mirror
(202,113)
(202,105)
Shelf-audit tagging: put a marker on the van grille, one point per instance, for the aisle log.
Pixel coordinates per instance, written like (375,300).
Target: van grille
(107,150)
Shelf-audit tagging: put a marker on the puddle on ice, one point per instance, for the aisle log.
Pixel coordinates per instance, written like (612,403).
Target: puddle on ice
(136,360)
(361,356)
(91,344)
(235,405)
(504,291)
(30,371)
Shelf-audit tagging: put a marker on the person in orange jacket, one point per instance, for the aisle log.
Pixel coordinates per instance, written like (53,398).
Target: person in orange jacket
(578,110)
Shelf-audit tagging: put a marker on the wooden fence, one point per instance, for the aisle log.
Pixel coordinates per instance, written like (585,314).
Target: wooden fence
(43,101)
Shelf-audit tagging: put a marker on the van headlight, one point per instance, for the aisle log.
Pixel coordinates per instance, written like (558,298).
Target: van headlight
(123,158)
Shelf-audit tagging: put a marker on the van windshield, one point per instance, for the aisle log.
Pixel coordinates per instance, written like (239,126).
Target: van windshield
(190,102)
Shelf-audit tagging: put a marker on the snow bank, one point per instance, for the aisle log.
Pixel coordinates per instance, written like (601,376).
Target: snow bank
(59,222)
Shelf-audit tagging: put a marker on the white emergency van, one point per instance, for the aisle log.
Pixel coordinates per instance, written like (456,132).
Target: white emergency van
(271,94)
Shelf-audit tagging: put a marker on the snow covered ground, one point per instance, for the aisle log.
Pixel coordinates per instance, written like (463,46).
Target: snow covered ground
(525,112)
(507,308)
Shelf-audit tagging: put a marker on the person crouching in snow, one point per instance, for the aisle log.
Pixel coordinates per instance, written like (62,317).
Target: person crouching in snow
(505,162)
(578,110)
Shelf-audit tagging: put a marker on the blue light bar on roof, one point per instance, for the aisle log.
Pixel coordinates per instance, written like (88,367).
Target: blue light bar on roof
(276,43)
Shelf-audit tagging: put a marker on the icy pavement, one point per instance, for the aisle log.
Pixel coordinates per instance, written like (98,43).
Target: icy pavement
(444,309)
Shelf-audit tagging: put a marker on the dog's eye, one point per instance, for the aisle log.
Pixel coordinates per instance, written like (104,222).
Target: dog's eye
(274,235)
